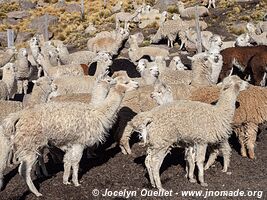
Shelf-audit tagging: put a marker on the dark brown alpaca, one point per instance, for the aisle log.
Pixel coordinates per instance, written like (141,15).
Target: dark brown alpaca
(258,66)
(240,57)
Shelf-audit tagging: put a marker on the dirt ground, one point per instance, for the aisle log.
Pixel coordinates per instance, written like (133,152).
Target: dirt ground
(114,171)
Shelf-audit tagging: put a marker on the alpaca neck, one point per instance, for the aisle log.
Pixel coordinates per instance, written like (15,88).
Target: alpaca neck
(134,45)
(181,8)
(64,55)
(226,102)
(39,95)
(135,14)
(101,68)
(110,106)
(9,80)
(35,50)
(201,75)
(147,77)
(99,94)
(46,64)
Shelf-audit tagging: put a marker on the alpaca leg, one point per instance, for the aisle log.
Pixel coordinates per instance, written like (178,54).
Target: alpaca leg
(19,85)
(117,24)
(25,171)
(200,158)
(190,164)
(156,161)
(240,132)
(39,67)
(42,165)
(181,46)
(38,170)
(125,25)
(77,152)
(123,135)
(251,133)
(213,3)
(149,167)
(67,166)
(209,4)
(9,161)
(212,157)
(226,152)
(25,86)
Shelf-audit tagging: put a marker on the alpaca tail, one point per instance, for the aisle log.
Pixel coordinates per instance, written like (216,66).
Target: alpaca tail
(7,130)
(143,131)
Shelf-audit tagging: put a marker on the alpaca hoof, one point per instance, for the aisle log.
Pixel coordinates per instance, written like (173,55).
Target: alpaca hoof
(38,194)
(77,184)
(244,154)
(192,180)
(161,190)
(66,182)
(206,167)
(252,157)
(229,173)
(204,184)
(124,150)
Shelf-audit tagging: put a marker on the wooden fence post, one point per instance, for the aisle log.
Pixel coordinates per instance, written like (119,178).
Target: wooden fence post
(46,36)
(82,9)
(199,40)
(10,38)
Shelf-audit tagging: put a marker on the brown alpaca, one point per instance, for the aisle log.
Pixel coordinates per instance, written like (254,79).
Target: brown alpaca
(258,66)
(240,57)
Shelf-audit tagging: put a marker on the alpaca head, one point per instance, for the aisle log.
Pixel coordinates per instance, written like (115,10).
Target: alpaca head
(162,94)
(236,82)
(176,17)
(215,40)
(9,69)
(123,81)
(154,70)
(34,41)
(101,88)
(251,27)
(44,84)
(242,40)
(178,63)
(142,65)
(22,53)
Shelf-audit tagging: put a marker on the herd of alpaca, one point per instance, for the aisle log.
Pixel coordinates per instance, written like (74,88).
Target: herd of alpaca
(170,104)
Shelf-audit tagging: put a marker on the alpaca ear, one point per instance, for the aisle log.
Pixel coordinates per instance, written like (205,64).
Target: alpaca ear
(237,87)
(119,73)
(168,88)
(190,58)
(113,82)
(36,83)
(205,58)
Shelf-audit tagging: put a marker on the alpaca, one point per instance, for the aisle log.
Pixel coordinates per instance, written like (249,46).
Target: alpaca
(258,66)
(240,57)
(181,117)
(70,126)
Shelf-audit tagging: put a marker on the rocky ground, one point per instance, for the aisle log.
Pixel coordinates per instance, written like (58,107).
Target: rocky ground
(114,171)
